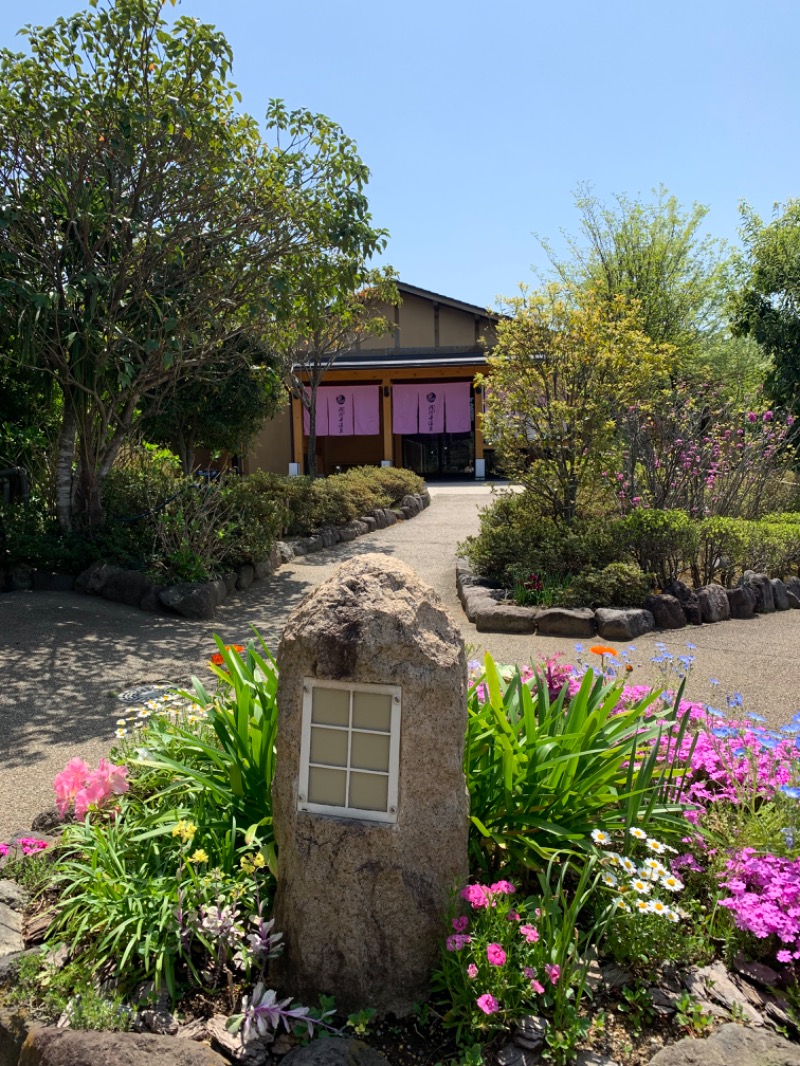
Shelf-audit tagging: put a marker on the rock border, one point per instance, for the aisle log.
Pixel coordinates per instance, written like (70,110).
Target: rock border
(198,600)
(486,605)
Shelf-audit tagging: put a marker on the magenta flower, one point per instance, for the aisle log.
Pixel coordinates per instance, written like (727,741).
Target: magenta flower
(68,782)
(536,986)
(472,971)
(530,933)
(458,942)
(460,924)
(488,1004)
(512,916)
(504,887)
(553,971)
(495,955)
(476,895)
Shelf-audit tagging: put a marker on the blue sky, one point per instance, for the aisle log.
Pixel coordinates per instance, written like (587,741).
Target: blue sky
(478,122)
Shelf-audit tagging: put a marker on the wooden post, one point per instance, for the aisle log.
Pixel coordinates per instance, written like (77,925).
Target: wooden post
(386,400)
(297,433)
(479,422)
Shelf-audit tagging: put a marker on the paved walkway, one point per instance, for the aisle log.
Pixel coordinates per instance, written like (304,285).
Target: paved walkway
(64,657)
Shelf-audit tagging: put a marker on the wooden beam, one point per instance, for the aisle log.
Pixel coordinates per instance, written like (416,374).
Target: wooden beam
(386,400)
(479,423)
(297,433)
(377,375)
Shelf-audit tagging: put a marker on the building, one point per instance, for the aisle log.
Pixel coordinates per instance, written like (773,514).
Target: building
(412,403)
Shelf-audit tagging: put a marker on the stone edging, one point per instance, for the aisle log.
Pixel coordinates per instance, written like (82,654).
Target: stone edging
(198,600)
(486,606)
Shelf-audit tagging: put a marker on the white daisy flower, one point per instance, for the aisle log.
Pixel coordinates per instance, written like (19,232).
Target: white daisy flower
(655,845)
(628,865)
(122,721)
(671,882)
(643,905)
(657,907)
(671,915)
(638,833)
(609,880)
(621,905)
(612,858)
(655,866)
(639,885)
(120,733)
(601,838)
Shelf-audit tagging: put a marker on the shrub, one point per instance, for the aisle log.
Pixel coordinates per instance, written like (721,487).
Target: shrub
(542,774)
(396,482)
(255,523)
(516,540)
(661,542)
(774,547)
(618,585)
(723,546)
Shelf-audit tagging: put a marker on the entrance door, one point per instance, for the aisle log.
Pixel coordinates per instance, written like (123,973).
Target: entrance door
(440,454)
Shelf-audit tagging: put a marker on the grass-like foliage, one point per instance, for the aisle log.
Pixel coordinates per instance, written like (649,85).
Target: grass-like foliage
(542,774)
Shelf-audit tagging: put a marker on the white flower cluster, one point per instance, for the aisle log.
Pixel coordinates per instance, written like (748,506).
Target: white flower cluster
(170,704)
(635,882)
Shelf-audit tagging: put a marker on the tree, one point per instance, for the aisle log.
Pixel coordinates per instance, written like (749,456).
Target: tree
(221,410)
(767,306)
(145,224)
(561,370)
(326,323)
(653,253)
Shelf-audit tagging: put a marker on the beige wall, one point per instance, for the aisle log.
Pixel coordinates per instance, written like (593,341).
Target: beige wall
(456,328)
(272,448)
(416,323)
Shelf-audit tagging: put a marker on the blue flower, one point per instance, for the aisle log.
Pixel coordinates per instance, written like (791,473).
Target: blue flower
(797,743)
(715,711)
(692,647)
(770,743)
(735,700)
(713,681)
(724,731)
(737,753)
(579,648)
(793,792)
(791,729)
(755,717)
(796,718)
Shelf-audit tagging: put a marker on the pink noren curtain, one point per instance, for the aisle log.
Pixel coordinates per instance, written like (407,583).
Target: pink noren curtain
(405,408)
(456,404)
(322,416)
(431,408)
(366,410)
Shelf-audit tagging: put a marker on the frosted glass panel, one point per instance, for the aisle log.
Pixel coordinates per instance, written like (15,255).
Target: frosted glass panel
(369,792)
(331,706)
(329,746)
(327,786)
(370,751)
(372,710)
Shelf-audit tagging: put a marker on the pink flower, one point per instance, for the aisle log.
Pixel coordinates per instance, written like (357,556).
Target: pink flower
(553,971)
(488,1004)
(476,895)
(460,924)
(495,955)
(472,971)
(783,956)
(504,887)
(536,986)
(512,916)
(458,942)
(752,416)
(530,933)
(67,783)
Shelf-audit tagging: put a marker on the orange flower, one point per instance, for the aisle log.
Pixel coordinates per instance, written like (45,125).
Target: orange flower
(217,659)
(628,668)
(603,649)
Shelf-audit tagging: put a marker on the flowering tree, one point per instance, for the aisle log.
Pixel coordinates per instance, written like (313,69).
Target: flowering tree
(688,448)
(561,371)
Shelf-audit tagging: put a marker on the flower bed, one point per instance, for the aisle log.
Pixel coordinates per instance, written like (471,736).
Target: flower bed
(624,842)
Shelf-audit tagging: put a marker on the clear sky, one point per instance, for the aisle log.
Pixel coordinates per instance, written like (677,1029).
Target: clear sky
(478,120)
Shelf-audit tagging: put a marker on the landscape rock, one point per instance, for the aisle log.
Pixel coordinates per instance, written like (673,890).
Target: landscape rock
(160,1022)
(758,972)
(593,1058)
(127,586)
(516,1055)
(391,517)
(46,581)
(714,605)
(262,569)
(380,518)
(688,600)
(666,611)
(731,1045)
(196,600)
(615,977)
(68,1047)
(151,600)
(14,1029)
(624,623)
(285,552)
(793,585)
(721,989)
(314,543)
(335,1052)
(566,622)
(793,601)
(360,902)
(779,594)
(530,1032)
(352,530)
(96,577)
(369,522)
(505,618)
(253,1053)
(10,930)
(13,895)
(299,547)
(330,536)
(245,576)
(474,599)
(412,503)
(742,602)
(761,586)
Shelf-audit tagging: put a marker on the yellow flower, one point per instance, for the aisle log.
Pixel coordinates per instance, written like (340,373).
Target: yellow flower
(185,830)
(198,856)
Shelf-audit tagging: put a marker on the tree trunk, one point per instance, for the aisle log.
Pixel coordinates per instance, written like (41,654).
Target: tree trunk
(64,463)
(312,434)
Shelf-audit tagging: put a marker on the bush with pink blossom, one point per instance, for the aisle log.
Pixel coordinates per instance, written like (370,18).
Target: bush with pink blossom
(88,790)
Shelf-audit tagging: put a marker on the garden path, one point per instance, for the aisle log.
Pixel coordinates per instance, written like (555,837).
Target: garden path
(64,656)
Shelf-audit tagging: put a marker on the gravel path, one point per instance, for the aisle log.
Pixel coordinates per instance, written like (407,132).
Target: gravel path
(64,657)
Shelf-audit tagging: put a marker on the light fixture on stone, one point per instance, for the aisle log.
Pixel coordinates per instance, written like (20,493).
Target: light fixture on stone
(350,750)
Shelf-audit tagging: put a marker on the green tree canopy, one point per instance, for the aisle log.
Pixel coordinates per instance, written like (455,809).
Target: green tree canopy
(145,223)
(653,253)
(767,306)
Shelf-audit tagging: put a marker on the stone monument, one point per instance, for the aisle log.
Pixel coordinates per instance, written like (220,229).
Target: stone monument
(369,798)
